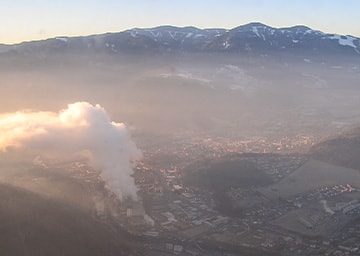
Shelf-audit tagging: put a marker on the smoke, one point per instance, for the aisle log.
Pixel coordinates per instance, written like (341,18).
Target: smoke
(79,130)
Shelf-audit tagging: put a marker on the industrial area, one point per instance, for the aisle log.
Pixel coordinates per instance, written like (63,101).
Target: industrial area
(303,209)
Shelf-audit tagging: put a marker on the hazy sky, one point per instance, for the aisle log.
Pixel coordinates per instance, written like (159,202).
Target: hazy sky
(36,19)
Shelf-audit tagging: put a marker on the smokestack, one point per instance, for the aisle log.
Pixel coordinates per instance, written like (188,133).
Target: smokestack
(79,130)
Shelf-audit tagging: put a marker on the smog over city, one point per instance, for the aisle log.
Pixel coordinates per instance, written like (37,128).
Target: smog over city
(181,139)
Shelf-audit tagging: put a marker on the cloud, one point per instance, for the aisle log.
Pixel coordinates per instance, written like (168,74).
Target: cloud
(79,130)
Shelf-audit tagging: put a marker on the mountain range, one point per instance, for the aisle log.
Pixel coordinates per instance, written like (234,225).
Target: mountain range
(252,38)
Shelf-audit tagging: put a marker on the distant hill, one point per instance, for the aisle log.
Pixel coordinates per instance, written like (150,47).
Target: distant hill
(217,176)
(252,38)
(229,171)
(342,150)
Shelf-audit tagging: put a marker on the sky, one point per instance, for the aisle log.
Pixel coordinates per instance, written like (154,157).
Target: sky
(26,20)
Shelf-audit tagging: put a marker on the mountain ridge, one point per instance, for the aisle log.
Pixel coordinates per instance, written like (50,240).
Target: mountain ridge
(252,38)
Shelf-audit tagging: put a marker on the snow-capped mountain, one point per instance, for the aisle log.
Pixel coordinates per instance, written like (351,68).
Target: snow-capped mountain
(251,38)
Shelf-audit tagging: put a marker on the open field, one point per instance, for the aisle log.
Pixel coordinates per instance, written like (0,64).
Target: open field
(311,222)
(310,176)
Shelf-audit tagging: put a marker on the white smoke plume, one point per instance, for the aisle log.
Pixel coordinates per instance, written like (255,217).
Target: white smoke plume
(81,129)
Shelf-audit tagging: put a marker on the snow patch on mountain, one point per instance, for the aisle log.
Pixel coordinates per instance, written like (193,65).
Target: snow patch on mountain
(154,34)
(63,39)
(254,29)
(133,33)
(198,35)
(226,44)
(344,40)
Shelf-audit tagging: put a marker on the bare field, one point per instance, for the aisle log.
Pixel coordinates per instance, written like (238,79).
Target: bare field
(310,222)
(310,176)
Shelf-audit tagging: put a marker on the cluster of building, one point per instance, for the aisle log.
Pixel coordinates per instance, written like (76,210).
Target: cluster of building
(183,151)
(187,219)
